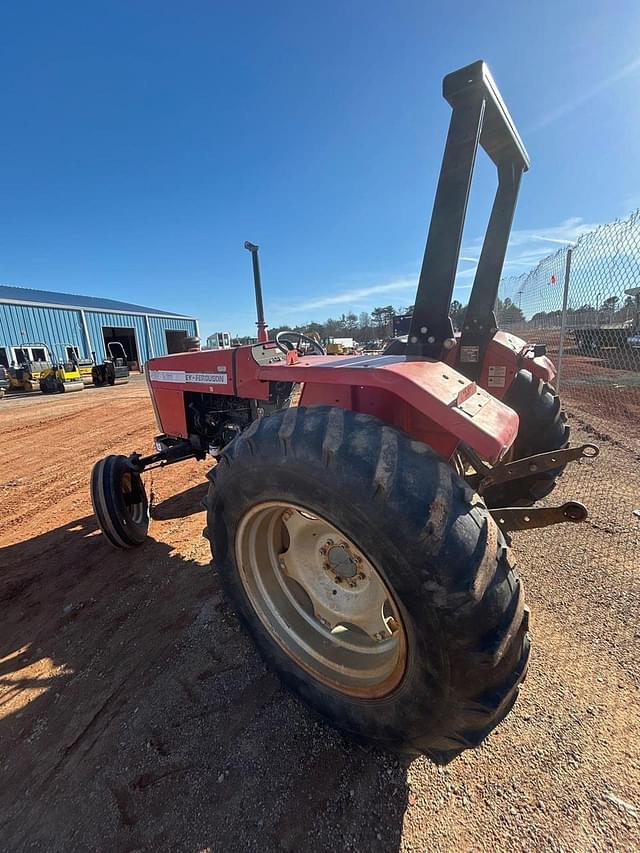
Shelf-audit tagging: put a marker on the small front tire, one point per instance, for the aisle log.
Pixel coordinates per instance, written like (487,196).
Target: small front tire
(119,502)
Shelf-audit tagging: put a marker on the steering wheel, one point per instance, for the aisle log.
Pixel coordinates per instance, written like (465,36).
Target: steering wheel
(288,341)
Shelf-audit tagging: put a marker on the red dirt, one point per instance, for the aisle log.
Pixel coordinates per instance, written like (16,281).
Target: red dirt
(135,714)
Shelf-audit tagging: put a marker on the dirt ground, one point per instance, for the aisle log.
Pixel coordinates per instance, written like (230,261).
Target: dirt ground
(136,715)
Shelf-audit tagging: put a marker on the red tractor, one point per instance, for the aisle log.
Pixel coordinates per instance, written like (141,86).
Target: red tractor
(360,507)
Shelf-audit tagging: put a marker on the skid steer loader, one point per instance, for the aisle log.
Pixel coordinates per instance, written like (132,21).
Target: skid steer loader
(362,535)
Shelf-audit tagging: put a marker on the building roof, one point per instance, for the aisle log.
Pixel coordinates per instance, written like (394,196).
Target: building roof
(29,296)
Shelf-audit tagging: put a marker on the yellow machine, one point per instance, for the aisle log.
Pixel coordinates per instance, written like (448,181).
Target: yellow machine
(340,346)
(61,377)
(85,367)
(33,368)
(28,363)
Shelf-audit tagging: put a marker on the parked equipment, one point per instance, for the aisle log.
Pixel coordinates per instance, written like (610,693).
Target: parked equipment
(61,377)
(620,341)
(219,340)
(28,363)
(340,346)
(85,367)
(5,385)
(351,531)
(114,369)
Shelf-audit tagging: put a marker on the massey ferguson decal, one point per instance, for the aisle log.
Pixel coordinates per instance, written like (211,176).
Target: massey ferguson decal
(182,377)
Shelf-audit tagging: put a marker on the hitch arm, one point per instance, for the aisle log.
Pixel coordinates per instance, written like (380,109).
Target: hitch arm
(527,518)
(168,455)
(532,465)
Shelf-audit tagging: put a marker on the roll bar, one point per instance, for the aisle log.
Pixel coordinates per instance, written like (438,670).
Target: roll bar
(479,117)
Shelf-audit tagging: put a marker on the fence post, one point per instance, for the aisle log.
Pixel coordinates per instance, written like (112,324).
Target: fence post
(563,322)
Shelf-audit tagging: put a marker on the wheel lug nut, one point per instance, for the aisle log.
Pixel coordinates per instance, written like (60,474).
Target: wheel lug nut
(392,624)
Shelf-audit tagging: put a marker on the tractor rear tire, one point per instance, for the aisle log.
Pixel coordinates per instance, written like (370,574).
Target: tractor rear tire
(458,603)
(543,428)
(119,502)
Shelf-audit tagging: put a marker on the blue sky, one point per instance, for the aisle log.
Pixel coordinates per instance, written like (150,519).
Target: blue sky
(143,142)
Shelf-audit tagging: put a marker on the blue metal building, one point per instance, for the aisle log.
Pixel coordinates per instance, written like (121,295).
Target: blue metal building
(87,323)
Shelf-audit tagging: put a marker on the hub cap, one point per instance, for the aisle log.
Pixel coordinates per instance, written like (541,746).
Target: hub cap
(321,599)
(133,494)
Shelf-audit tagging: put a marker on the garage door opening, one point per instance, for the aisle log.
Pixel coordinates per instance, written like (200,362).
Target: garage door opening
(126,337)
(175,340)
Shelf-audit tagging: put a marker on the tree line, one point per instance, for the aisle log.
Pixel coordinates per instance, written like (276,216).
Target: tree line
(363,327)
(378,324)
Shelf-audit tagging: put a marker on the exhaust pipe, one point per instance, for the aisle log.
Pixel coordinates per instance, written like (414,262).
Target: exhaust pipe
(257,283)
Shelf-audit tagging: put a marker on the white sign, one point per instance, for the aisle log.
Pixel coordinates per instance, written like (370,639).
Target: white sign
(167,375)
(182,377)
(207,378)
(469,355)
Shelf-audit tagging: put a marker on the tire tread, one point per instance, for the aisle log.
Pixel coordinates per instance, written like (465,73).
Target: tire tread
(478,599)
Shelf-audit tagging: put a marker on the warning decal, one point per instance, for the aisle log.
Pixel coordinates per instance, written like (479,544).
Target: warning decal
(469,354)
(497,376)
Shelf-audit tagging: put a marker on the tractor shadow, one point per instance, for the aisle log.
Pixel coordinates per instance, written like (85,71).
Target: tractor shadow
(136,714)
(181,505)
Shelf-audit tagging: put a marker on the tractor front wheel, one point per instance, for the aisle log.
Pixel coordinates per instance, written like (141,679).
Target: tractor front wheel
(119,502)
(371,578)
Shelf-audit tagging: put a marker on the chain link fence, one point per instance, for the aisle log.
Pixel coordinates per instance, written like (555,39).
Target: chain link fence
(583,303)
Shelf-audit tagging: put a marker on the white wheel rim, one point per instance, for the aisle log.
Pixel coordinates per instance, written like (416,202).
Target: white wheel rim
(321,599)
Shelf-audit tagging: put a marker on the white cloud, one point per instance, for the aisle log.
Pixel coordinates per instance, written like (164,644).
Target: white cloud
(527,246)
(355,294)
(569,106)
